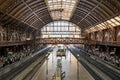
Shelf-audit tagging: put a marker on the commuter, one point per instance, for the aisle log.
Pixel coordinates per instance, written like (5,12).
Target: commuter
(113,59)
(1,63)
(119,61)
(11,58)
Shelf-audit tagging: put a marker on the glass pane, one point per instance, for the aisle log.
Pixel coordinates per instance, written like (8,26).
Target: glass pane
(115,21)
(109,23)
(63,8)
(60,29)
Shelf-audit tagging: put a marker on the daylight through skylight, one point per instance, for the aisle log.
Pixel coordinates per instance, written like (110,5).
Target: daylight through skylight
(61,9)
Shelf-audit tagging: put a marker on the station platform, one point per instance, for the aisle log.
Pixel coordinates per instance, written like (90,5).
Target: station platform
(75,65)
(73,70)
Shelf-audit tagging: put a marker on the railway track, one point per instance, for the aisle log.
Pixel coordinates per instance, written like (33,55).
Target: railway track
(109,72)
(16,71)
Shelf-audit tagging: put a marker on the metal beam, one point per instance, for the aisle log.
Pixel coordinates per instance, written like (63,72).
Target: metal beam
(33,11)
(90,12)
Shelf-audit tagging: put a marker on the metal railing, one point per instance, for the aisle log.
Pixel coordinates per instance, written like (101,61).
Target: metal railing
(62,41)
(113,43)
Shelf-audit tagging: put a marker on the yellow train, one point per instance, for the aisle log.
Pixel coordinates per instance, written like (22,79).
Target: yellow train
(61,52)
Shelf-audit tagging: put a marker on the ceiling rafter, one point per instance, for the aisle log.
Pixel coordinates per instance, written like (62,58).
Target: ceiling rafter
(89,12)
(33,11)
(17,19)
(99,11)
(95,18)
(94,11)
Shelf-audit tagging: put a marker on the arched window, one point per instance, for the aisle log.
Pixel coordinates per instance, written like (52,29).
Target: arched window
(61,29)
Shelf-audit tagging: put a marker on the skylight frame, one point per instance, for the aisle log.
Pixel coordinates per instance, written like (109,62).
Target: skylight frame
(61,28)
(113,22)
(68,7)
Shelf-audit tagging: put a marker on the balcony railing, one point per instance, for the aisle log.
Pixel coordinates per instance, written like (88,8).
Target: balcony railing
(62,41)
(111,43)
(12,43)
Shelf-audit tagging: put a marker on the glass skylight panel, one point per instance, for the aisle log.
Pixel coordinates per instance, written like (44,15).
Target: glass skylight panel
(109,23)
(63,8)
(117,18)
(103,25)
(115,21)
(98,27)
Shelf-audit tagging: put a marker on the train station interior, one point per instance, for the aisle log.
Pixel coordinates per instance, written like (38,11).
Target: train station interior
(59,39)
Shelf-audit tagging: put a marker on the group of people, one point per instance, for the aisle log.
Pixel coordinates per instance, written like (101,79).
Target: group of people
(109,57)
(12,57)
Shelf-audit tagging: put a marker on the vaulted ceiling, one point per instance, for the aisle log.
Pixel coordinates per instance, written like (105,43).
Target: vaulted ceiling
(31,13)
(34,14)
(93,12)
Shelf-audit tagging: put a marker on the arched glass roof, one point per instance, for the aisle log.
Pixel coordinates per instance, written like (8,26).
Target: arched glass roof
(32,15)
(61,29)
(61,9)
(113,22)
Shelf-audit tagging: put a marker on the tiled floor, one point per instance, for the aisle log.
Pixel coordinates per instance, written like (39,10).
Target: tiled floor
(70,66)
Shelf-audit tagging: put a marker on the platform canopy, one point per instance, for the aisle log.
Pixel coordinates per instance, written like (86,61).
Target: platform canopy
(34,14)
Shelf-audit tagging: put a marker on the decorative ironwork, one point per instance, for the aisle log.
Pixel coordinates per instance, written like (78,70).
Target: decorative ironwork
(62,41)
